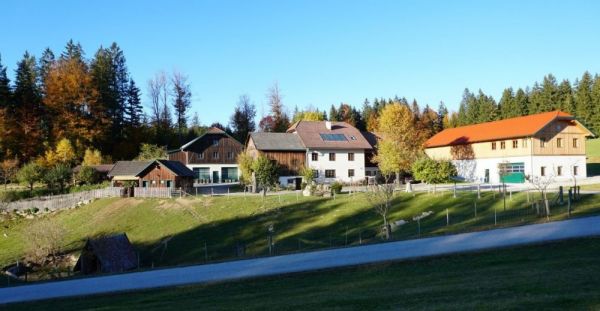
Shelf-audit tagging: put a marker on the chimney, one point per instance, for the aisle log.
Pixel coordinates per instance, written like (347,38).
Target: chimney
(328,125)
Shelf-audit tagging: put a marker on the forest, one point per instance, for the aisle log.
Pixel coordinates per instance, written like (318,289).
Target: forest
(94,104)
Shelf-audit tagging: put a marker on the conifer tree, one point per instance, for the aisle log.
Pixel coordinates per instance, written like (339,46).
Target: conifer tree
(28,108)
(583,99)
(134,109)
(242,120)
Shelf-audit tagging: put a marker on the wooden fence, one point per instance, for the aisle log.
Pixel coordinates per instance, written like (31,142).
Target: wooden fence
(140,192)
(62,201)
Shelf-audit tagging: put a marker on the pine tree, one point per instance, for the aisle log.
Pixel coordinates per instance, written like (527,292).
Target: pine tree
(45,64)
(333,114)
(28,109)
(549,94)
(134,109)
(565,97)
(487,108)
(583,99)
(73,51)
(596,105)
(182,101)
(242,121)
(522,102)
(6,132)
(535,99)
(442,115)
(508,105)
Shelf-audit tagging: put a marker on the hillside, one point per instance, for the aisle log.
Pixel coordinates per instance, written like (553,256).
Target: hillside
(225,225)
(593,154)
(555,276)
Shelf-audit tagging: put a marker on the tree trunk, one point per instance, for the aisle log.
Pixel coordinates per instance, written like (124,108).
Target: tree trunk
(386,227)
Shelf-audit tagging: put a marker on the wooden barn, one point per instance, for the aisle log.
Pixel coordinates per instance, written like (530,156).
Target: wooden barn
(286,149)
(108,254)
(151,174)
(212,157)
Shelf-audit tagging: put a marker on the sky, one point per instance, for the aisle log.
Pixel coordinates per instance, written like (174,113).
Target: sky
(320,52)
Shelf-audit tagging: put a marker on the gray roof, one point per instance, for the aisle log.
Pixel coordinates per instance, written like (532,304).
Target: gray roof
(129,168)
(115,253)
(134,168)
(276,141)
(177,167)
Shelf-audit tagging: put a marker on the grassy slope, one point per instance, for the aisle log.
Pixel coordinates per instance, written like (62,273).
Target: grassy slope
(593,153)
(555,276)
(223,222)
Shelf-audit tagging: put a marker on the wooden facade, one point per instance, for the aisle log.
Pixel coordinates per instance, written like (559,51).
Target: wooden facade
(290,163)
(158,176)
(211,148)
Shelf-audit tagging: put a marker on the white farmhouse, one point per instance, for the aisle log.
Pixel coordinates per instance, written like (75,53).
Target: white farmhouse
(550,144)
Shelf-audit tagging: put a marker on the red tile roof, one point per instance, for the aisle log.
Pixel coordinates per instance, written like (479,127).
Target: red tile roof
(503,129)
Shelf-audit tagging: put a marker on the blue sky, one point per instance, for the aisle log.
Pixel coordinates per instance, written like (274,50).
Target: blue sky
(321,52)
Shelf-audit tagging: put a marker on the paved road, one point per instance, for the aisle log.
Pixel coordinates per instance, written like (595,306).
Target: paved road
(400,250)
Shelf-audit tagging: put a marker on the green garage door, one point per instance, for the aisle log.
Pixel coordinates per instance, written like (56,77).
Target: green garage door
(513,173)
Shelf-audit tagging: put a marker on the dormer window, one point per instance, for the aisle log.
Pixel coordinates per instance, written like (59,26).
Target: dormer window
(215,142)
(352,138)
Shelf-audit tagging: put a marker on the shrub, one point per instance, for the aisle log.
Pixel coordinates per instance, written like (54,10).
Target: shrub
(87,176)
(336,187)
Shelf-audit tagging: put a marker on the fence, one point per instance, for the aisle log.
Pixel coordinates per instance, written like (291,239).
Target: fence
(63,201)
(141,192)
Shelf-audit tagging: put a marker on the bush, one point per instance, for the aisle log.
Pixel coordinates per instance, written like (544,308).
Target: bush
(87,176)
(336,187)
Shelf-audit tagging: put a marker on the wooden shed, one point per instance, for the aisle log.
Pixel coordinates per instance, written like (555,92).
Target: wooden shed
(108,254)
(151,174)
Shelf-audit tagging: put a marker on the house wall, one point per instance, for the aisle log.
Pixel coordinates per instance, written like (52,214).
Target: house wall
(214,168)
(564,130)
(474,170)
(341,165)
(290,162)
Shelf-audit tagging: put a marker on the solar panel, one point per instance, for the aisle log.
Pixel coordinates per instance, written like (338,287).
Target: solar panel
(333,137)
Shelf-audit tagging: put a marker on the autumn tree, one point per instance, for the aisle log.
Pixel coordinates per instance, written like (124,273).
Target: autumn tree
(92,157)
(151,152)
(76,113)
(64,153)
(397,149)
(242,120)
(432,171)
(6,112)
(245,162)
(8,170)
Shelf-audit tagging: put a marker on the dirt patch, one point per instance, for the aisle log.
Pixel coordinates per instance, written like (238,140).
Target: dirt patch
(181,204)
(114,209)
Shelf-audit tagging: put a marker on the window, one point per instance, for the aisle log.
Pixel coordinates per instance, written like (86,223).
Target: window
(350,156)
(502,145)
(575,169)
(215,142)
(215,155)
(333,137)
(517,167)
(524,142)
(229,155)
(559,171)
(575,143)
(201,156)
(350,173)
(315,173)
(515,144)
(543,171)
(331,156)
(559,143)
(315,156)
(329,173)
(493,145)
(542,144)
(352,138)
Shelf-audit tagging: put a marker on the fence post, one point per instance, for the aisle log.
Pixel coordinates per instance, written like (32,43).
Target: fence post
(495,216)
(569,204)
(475,205)
(479,191)
(447,217)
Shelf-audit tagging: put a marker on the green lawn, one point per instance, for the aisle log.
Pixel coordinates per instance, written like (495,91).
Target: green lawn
(593,154)
(222,223)
(558,276)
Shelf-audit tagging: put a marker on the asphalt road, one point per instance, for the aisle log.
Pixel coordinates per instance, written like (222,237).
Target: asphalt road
(401,250)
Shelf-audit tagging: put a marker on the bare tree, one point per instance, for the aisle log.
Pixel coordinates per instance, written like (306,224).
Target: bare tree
(157,90)
(380,197)
(541,184)
(281,120)
(44,240)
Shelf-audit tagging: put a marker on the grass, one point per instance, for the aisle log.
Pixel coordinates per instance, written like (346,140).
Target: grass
(14,192)
(557,276)
(593,154)
(212,228)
